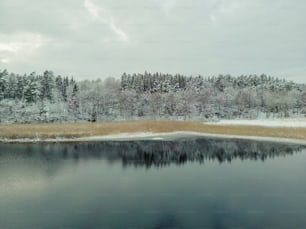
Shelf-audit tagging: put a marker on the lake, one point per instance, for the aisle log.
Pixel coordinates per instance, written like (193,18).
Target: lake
(153,184)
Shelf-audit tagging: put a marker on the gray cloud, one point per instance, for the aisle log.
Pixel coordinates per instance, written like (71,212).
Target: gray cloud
(101,38)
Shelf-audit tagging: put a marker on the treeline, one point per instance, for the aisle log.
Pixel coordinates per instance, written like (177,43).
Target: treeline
(165,83)
(33,87)
(33,97)
(49,98)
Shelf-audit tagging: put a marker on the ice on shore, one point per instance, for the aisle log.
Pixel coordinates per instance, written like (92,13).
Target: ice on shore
(155,136)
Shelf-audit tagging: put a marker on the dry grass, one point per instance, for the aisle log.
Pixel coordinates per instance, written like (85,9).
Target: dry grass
(70,130)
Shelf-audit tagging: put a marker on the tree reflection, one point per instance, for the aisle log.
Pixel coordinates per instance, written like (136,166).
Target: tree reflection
(154,153)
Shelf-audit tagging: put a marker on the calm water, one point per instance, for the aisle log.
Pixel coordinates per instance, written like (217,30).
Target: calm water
(188,183)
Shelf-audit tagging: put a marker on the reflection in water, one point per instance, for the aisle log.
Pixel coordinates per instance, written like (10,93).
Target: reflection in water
(108,185)
(154,153)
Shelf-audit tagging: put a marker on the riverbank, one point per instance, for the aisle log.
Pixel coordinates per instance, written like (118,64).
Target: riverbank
(72,132)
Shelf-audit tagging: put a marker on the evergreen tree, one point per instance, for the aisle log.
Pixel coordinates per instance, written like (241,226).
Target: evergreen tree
(30,89)
(74,101)
(3,83)
(64,89)
(12,86)
(46,86)
(19,88)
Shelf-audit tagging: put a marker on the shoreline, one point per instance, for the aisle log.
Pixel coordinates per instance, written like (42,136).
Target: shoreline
(148,130)
(143,136)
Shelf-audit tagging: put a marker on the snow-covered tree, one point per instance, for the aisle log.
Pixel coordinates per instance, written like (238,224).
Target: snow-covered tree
(30,89)
(74,102)
(34,97)
(3,83)
(46,86)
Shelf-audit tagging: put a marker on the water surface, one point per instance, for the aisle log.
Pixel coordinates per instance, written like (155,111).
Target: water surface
(186,183)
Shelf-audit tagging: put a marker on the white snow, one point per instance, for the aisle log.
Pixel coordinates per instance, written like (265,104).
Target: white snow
(155,136)
(264,122)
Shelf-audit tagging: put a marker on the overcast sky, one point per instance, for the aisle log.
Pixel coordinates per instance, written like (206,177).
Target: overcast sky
(102,38)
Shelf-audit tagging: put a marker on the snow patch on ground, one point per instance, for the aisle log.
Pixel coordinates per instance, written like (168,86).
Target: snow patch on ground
(265,122)
(154,136)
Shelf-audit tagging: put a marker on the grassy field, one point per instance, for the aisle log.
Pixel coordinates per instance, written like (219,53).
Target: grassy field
(72,130)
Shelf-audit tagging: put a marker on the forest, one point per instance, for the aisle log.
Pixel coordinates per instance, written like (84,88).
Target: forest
(48,97)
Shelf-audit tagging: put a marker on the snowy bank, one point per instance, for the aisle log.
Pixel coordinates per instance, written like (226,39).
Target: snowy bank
(264,122)
(153,136)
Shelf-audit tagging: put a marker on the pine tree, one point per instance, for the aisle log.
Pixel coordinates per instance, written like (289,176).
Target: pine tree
(19,88)
(3,83)
(124,79)
(30,89)
(74,101)
(12,85)
(59,88)
(46,86)
(64,89)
